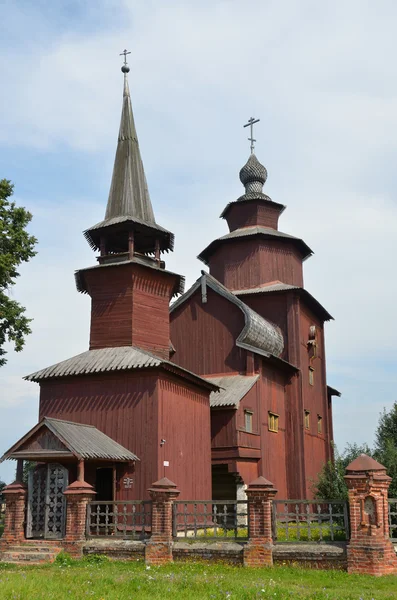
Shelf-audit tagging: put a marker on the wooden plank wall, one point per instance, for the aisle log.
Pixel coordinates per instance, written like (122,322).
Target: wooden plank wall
(251,262)
(204,335)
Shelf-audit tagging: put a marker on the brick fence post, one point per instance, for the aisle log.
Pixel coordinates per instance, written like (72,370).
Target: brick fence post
(78,495)
(370,549)
(14,523)
(159,548)
(258,552)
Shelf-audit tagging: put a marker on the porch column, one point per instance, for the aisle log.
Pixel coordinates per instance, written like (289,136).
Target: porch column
(14,524)
(159,548)
(78,495)
(258,552)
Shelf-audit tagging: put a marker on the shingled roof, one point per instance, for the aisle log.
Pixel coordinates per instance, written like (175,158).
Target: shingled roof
(80,440)
(108,360)
(256,230)
(278,286)
(129,201)
(258,334)
(232,389)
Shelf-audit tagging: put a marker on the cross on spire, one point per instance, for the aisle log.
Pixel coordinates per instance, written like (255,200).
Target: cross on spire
(124,53)
(251,123)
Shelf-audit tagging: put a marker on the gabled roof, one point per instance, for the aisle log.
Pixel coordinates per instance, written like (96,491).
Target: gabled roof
(81,441)
(233,388)
(256,230)
(108,360)
(278,286)
(258,334)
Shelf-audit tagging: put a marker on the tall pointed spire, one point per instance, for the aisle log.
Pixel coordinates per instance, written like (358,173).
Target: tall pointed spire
(129,224)
(129,194)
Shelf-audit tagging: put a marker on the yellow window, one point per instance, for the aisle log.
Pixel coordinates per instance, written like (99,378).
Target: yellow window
(273,422)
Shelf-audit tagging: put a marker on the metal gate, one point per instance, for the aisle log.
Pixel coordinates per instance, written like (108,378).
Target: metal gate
(46,502)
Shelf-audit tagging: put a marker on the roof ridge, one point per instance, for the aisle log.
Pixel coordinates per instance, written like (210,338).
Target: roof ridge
(69,422)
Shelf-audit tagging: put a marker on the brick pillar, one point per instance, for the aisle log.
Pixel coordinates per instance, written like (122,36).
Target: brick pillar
(159,547)
(14,524)
(258,552)
(78,494)
(370,549)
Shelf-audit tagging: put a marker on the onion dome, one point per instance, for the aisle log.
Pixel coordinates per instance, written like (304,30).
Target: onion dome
(253,175)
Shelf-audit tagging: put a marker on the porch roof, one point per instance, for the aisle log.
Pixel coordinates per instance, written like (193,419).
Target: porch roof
(66,439)
(233,388)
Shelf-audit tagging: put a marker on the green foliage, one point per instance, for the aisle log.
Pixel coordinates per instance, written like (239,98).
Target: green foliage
(386,445)
(2,485)
(95,559)
(330,484)
(64,560)
(16,247)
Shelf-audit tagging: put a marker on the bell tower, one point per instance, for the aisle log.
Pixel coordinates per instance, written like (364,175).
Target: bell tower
(129,287)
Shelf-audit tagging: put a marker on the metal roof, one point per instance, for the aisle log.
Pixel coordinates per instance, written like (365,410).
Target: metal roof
(266,232)
(258,334)
(285,287)
(233,388)
(143,261)
(107,360)
(83,441)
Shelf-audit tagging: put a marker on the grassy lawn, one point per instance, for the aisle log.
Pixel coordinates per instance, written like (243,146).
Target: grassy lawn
(132,580)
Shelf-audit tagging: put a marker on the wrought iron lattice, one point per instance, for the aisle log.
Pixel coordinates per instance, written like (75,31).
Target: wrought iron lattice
(46,501)
(128,520)
(393,518)
(226,519)
(310,521)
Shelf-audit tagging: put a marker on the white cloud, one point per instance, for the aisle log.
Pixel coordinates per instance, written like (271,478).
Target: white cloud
(320,78)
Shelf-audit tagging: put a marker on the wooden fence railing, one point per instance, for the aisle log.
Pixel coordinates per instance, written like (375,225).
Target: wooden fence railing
(127,520)
(310,521)
(211,519)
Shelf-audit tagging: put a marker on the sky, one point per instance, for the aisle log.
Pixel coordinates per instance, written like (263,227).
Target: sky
(321,77)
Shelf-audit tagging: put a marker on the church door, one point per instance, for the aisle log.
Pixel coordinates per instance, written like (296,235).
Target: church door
(46,502)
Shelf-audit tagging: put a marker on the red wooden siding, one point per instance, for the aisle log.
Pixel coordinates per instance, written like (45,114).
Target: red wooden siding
(184,422)
(250,213)
(138,410)
(251,262)
(317,447)
(130,306)
(124,406)
(204,335)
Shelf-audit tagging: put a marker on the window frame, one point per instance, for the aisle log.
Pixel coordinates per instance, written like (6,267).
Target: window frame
(311,375)
(319,425)
(275,417)
(307,419)
(250,414)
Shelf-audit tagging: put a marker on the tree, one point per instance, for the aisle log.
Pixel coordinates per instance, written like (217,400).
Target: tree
(16,247)
(2,486)
(386,445)
(330,484)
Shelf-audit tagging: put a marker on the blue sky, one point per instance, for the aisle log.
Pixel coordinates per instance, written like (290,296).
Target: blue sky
(322,79)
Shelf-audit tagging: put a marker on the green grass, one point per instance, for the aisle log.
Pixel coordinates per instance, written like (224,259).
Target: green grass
(132,580)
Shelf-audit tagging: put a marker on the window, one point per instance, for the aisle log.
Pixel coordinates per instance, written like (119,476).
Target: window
(248,420)
(319,424)
(307,419)
(311,375)
(273,422)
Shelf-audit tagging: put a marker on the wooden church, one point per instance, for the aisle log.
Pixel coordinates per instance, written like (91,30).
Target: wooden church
(211,390)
